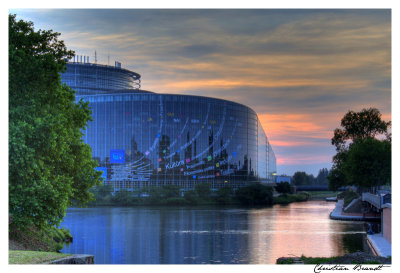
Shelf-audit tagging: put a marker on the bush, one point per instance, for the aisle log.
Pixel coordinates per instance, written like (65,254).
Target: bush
(255,194)
(290,198)
(284,187)
(158,195)
(349,196)
(307,195)
(170,191)
(60,236)
(175,201)
(102,191)
(191,197)
(123,198)
(49,238)
(224,195)
(341,195)
(203,190)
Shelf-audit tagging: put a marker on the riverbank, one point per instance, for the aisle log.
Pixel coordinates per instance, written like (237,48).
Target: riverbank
(36,246)
(34,257)
(42,257)
(282,199)
(50,239)
(377,244)
(202,195)
(33,246)
(352,258)
(322,195)
(338,214)
(254,194)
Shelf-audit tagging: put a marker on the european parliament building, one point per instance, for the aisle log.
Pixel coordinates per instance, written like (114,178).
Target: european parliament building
(141,138)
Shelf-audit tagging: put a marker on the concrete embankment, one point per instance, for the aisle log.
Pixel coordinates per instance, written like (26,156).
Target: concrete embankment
(338,214)
(379,245)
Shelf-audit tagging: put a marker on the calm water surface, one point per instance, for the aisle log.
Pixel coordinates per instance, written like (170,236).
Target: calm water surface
(170,235)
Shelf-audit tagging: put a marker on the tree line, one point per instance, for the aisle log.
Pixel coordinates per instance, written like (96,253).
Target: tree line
(303,179)
(363,146)
(254,194)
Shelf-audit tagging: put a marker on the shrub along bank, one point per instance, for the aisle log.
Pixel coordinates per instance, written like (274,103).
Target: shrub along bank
(349,196)
(255,194)
(50,239)
(290,198)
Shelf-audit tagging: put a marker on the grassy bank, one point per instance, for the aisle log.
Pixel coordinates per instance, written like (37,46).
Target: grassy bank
(33,257)
(306,260)
(37,246)
(352,258)
(50,239)
(321,195)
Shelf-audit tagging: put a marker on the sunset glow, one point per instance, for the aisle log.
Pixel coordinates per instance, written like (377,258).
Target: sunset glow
(300,70)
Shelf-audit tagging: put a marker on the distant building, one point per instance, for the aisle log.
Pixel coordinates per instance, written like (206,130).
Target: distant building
(142,139)
(280,178)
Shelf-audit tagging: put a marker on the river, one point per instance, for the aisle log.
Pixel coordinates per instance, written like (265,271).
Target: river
(196,235)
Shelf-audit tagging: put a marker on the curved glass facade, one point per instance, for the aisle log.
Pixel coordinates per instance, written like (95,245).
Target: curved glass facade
(88,78)
(149,139)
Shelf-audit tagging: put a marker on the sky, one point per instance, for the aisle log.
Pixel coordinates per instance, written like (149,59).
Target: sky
(301,70)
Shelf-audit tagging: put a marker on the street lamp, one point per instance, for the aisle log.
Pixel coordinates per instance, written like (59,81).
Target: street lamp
(274,175)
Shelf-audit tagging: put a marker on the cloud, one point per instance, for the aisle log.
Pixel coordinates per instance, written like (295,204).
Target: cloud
(300,70)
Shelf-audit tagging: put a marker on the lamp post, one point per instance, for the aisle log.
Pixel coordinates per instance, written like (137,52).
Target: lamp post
(274,175)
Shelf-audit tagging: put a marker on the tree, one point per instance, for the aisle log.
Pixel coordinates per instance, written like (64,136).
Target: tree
(359,125)
(284,187)
(49,165)
(368,163)
(336,179)
(322,177)
(358,130)
(123,197)
(102,191)
(302,179)
(191,197)
(171,191)
(160,194)
(255,194)
(224,195)
(203,190)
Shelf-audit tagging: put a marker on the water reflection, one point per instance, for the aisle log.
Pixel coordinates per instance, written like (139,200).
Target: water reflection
(301,229)
(195,236)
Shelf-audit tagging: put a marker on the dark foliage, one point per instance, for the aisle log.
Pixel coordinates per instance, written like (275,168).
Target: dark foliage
(361,159)
(284,187)
(255,194)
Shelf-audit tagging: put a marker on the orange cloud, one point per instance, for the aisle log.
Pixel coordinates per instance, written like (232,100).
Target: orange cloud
(303,159)
(283,129)
(232,83)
